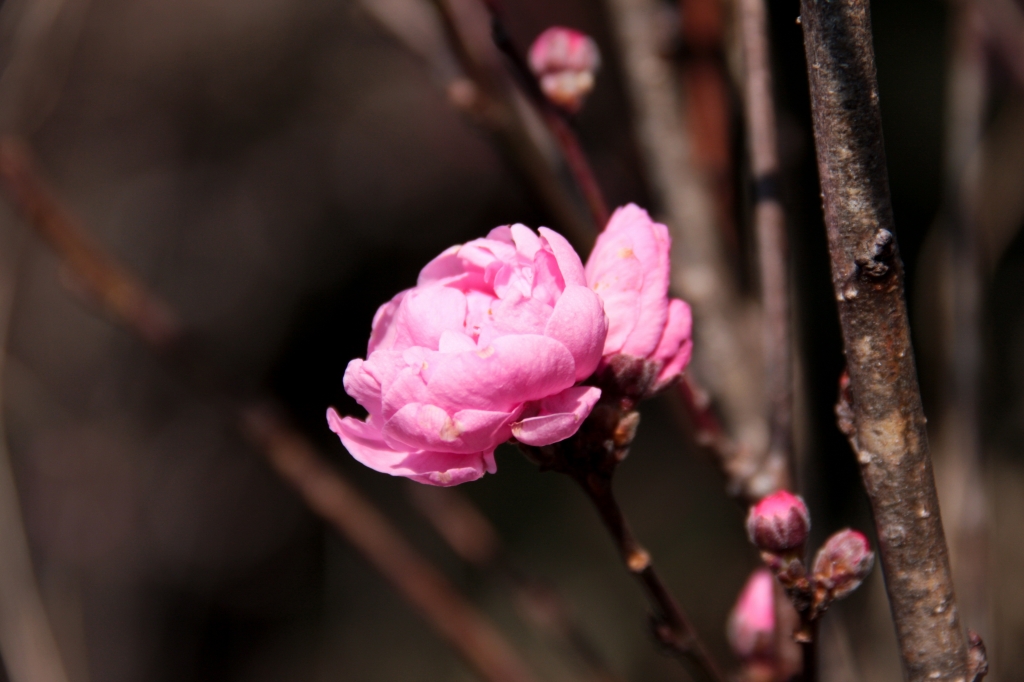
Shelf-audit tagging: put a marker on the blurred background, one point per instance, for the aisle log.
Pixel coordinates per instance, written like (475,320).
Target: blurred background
(275,170)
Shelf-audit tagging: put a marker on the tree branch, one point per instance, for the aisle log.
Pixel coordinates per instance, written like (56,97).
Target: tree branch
(881,411)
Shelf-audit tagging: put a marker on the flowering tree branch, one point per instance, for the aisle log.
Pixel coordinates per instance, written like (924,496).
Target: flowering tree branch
(701,272)
(880,410)
(132,305)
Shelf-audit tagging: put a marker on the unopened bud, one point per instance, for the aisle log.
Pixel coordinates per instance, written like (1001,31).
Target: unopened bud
(751,627)
(842,563)
(779,523)
(565,61)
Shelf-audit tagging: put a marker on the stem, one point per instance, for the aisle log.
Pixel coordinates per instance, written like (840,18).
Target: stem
(553,117)
(885,422)
(671,626)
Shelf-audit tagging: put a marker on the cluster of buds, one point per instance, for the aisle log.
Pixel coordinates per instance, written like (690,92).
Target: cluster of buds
(779,526)
(565,63)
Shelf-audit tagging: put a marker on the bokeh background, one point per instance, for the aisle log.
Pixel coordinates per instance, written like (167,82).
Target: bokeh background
(276,170)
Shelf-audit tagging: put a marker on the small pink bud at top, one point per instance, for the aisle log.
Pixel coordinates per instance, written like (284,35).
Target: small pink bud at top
(751,628)
(565,61)
(843,562)
(779,522)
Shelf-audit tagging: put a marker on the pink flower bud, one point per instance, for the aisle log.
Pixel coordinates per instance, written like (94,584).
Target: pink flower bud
(751,627)
(489,345)
(842,563)
(629,270)
(565,61)
(779,523)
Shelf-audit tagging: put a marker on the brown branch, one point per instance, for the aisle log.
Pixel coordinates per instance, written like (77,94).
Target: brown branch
(884,418)
(120,293)
(466,629)
(671,626)
(333,498)
(30,651)
(701,274)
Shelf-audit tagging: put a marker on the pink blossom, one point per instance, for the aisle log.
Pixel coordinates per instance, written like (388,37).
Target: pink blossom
(629,270)
(779,522)
(751,626)
(843,562)
(565,61)
(488,345)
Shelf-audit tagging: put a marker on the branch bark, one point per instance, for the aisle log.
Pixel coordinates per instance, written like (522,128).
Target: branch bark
(881,408)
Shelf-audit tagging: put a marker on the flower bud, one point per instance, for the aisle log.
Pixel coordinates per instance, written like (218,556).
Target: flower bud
(565,62)
(842,563)
(751,628)
(779,523)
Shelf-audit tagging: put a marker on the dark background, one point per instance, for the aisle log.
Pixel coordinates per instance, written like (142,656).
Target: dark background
(276,170)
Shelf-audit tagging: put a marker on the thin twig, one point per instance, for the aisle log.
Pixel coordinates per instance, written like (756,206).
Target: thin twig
(671,626)
(701,274)
(479,93)
(466,629)
(29,649)
(337,501)
(881,410)
(555,119)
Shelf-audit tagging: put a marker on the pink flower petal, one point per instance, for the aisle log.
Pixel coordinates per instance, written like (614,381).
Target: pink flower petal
(526,240)
(384,330)
(498,377)
(365,444)
(651,245)
(428,311)
(559,416)
(579,323)
(616,275)
(445,266)
(569,262)
(363,386)
(676,345)
(428,427)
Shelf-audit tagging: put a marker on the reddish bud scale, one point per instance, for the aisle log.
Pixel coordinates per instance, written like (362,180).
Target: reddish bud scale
(842,563)
(779,523)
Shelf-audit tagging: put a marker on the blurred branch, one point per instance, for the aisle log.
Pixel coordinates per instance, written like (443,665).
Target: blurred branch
(958,453)
(330,496)
(701,273)
(705,85)
(880,407)
(1003,24)
(480,92)
(472,537)
(27,644)
(132,305)
(118,292)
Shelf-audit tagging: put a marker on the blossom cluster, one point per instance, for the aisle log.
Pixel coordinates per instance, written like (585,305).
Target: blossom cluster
(498,340)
